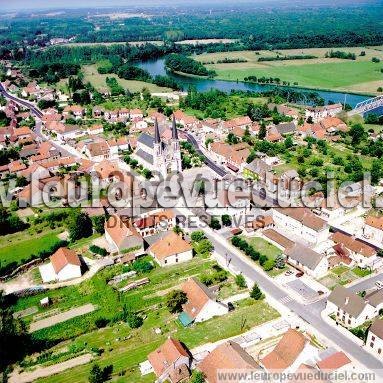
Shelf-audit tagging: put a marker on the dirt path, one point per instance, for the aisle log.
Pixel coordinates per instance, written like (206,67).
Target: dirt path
(62,317)
(42,372)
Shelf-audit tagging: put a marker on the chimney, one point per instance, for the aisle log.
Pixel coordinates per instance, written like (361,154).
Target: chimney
(346,300)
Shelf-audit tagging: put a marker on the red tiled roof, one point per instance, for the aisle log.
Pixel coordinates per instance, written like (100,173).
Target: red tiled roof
(62,257)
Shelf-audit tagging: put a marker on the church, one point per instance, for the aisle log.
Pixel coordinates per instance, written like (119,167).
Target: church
(158,156)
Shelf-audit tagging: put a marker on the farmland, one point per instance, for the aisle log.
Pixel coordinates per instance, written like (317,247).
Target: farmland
(360,75)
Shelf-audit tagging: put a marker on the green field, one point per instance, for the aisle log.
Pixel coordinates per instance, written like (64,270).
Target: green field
(19,247)
(360,75)
(264,247)
(98,81)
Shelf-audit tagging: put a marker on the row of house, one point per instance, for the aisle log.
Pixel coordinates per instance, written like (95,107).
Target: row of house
(293,353)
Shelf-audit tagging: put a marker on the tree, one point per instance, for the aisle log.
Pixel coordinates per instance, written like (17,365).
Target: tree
(262,131)
(21,181)
(95,374)
(289,142)
(226,220)
(256,293)
(98,223)
(203,247)
(357,133)
(80,226)
(197,377)
(280,261)
(269,265)
(214,223)
(174,301)
(134,320)
(240,281)
(197,236)
(376,171)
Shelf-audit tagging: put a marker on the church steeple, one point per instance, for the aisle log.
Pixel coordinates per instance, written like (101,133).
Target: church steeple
(157,138)
(174,129)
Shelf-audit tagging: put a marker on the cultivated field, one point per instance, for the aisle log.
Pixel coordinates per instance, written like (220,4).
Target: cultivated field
(360,75)
(98,81)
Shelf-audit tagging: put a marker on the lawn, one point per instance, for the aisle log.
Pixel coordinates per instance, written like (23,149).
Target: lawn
(21,246)
(360,75)
(98,81)
(361,272)
(263,247)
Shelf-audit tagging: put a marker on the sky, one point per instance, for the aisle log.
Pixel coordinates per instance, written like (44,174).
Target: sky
(44,4)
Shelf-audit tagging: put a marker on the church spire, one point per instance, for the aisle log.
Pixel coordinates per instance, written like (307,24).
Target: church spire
(157,138)
(174,129)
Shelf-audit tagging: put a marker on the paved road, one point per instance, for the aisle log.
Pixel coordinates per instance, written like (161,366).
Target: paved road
(38,114)
(36,111)
(212,165)
(309,313)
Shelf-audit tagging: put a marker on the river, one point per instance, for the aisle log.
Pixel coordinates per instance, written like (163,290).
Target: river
(157,67)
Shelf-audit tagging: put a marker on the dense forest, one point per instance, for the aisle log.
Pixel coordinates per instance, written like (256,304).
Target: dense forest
(261,27)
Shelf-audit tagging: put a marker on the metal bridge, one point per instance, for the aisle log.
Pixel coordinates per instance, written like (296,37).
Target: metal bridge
(367,105)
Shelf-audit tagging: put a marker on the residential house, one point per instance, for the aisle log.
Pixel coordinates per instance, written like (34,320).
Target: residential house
(64,265)
(302,222)
(154,222)
(136,114)
(201,305)
(373,228)
(375,337)
(320,112)
(171,249)
(307,260)
(348,307)
(291,351)
(95,129)
(336,362)
(364,255)
(256,170)
(171,361)
(121,235)
(225,357)
(97,151)
(285,128)
(76,111)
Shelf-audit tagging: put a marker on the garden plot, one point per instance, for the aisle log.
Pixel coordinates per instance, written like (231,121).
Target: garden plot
(62,317)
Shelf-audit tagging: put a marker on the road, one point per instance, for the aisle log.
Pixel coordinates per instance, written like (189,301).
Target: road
(33,108)
(212,165)
(310,313)
(38,114)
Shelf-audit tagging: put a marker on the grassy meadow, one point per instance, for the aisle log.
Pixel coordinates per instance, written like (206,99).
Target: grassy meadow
(360,75)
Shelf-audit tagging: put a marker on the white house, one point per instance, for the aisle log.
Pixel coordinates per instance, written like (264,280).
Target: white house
(171,249)
(155,222)
(375,337)
(348,307)
(364,255)
(64,264)
(320,112)
(302,222)
(201,305)
(307,260)
(171,361)
(373,228)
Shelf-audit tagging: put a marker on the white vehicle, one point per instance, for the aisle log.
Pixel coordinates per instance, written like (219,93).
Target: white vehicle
(379,284)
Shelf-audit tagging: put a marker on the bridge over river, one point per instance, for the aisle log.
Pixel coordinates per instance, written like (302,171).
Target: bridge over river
(374,105)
